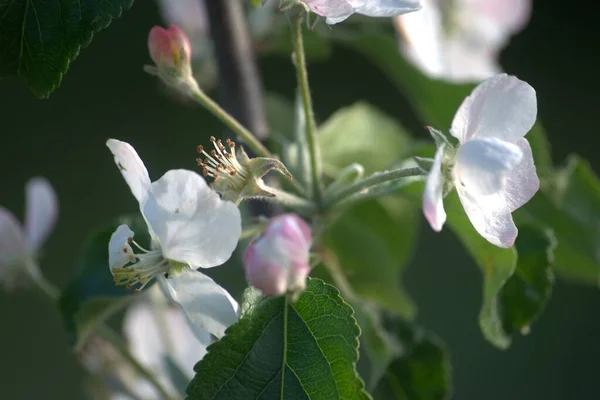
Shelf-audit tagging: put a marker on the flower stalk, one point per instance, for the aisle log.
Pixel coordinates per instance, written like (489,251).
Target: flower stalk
(311,126)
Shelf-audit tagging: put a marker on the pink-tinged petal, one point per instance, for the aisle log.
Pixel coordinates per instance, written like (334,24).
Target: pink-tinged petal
(501,107)
(277,262)
(490,217)
(481,165)
(41,212)
(13,242)
(522,181)
(132,168)
(334,10)
(169,48)
(509,16)
(433,202)
(192,223)
(207,305)
(120,252)
(384,8)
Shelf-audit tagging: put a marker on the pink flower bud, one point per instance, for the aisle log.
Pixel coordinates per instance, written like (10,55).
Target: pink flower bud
(169,48)
(277,262)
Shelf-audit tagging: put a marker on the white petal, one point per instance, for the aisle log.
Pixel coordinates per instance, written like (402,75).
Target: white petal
(132,168)
(13,244)
(423,42)
(433,204)
(191,222)
(482,165)
(334,10)
(207,305)
(119,250)
(490,217)
(508,16)
(41,211)
(522,181)
(502,107)
(384,8)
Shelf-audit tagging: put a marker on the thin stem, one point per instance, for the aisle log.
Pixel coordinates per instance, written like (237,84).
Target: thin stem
(373,180)
(247,136)
(115,340)
(311,126)
(292,201)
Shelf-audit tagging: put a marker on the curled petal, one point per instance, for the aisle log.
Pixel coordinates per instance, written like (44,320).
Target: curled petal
(132,168)
(120,252)
(490,217)
(482,165)
(192,224)
(334,10)
(522,181)
(207,305)
(501,107)
(41,212)
(433,204)
(384,8)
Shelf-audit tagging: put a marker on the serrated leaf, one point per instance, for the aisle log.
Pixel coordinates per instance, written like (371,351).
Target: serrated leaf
(421,372)
(361,134)
(435,101)
(373,242)
(93,294)
(39,38)
(306,350)
(525,295)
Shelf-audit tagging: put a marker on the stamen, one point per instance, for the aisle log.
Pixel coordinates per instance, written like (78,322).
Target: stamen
(222,163)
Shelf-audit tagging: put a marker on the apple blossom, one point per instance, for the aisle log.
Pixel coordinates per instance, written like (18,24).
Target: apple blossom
(20,245)
(460,40)
(277,262)
(492,169)
(237,177)
(338,10)
(190,227)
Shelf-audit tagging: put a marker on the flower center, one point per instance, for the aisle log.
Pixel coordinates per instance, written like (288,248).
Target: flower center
(223,164)
(142,268)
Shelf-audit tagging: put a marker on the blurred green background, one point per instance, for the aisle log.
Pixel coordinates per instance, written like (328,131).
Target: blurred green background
(106,94)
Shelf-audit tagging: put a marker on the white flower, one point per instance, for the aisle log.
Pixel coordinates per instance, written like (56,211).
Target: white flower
(338,10)
(493,169)
(161,340)
(20,245)
(190,227)
(460,40)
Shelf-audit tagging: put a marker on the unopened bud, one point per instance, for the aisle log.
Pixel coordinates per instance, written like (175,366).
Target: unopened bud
(171,51)
(277,262)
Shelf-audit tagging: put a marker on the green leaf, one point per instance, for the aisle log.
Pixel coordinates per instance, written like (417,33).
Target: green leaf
(574,216)
(306,350)
(421,372)
(372,243)
(361,134)
(525,295)
(435,101)
(517,281)
(92,295)
(39,38)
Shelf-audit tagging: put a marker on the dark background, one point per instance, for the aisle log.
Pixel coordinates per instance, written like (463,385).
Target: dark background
(106,94)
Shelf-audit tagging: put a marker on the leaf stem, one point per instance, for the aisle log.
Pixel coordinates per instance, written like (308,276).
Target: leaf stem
(251,141)
(115,340)
(292,201)
(375,179)
(311,126)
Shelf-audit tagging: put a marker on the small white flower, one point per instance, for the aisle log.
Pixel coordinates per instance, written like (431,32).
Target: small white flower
(338,10)
(460,40)
(190,227)
(20,245)
(493,169)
